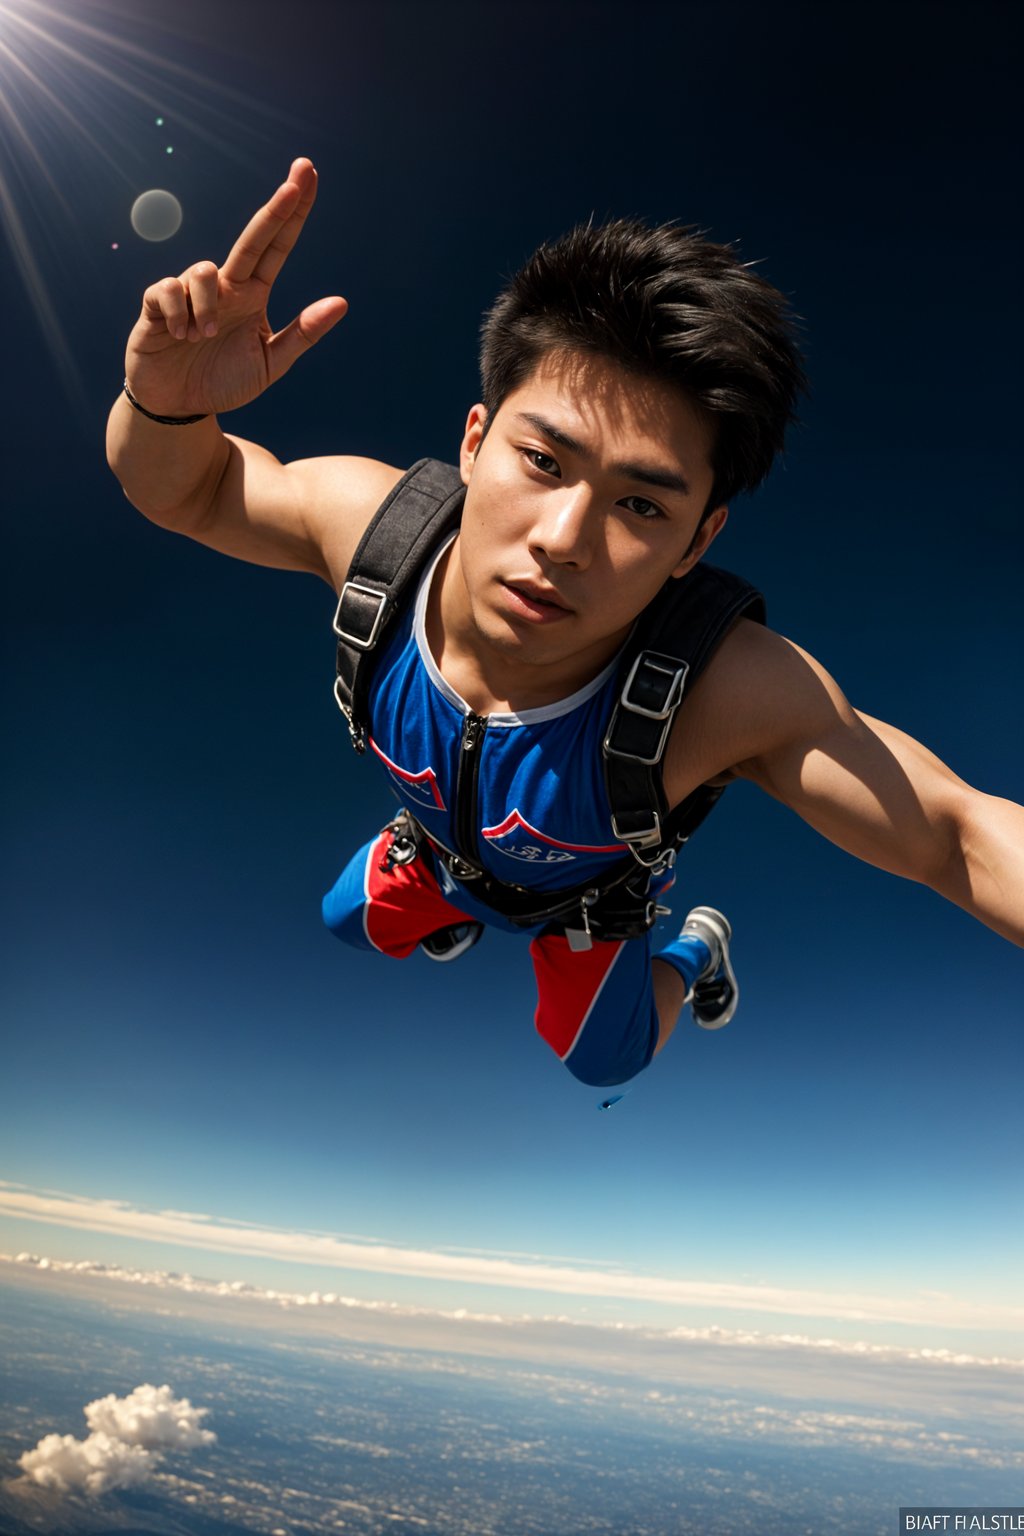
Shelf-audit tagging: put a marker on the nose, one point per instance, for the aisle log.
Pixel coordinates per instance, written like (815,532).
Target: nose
(564,530)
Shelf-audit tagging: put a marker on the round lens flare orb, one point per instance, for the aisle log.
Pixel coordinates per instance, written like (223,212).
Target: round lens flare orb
(156,215)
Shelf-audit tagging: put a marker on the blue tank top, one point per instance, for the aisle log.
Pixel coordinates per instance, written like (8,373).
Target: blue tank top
(543,820)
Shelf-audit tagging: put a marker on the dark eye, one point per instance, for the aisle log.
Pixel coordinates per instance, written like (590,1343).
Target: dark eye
(532,455)
(642,507)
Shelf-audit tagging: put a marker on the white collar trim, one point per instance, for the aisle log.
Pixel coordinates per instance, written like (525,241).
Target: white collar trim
(499,718)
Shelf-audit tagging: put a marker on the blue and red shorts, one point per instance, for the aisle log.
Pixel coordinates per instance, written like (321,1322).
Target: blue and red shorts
(595,1007)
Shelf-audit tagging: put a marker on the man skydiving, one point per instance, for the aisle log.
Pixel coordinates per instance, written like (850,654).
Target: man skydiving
(634,380)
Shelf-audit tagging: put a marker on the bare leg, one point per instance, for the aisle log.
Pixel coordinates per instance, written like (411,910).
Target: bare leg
(669,997)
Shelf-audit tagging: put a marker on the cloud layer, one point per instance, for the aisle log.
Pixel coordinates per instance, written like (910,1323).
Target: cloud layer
(515,1272)
(122,1448)
(475,1324)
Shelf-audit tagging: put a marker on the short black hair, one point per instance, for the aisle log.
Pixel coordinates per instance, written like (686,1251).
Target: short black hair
(665,303)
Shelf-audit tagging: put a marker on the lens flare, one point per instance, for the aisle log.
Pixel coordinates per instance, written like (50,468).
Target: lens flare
(156,215)
(84,91)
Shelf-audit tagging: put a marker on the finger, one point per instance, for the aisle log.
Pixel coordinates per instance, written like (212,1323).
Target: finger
(302,175)
(201,285)
(304,332)
(165,305)
(263,246)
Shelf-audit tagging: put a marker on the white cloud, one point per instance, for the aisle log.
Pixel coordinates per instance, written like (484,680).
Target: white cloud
(94,1465)
(121,1450)
(519,1273)
(152,1417)
(508,1328)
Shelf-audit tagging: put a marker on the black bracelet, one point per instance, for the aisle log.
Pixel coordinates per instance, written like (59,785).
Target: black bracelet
(165,421)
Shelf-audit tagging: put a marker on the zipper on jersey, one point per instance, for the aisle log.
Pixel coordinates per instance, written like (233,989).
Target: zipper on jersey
(473,728)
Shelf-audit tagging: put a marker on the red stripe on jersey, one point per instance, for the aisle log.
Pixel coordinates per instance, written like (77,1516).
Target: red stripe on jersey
(426,776)
(569,982)
(515,819)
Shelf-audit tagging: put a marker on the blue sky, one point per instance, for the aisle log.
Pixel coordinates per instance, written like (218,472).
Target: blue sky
(182,1034)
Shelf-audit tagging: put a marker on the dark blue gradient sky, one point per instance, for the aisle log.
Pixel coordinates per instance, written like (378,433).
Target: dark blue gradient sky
(178,784)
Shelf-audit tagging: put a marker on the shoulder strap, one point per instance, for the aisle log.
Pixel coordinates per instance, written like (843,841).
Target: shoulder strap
(674,639)
(407,527)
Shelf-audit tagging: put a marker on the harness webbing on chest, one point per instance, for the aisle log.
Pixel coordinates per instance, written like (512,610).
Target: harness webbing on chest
(672,641)
(422,509)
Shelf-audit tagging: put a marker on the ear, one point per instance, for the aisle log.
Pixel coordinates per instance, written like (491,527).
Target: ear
(702,540)
(476,422)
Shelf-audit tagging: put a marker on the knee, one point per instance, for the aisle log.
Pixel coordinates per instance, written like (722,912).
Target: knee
(339,917)
(342,906)
(602,1059)
(333,912)
(595,1008)
(596,1076)
(609,1064)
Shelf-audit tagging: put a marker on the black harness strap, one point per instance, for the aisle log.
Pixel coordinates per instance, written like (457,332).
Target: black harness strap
(421,509)
(675,637)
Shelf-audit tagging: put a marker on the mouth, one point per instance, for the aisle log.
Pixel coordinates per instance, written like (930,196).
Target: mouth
(535,602)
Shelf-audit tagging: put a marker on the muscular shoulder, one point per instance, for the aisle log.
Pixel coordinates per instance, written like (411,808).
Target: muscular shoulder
(308,515)
(758,692)
(340,496)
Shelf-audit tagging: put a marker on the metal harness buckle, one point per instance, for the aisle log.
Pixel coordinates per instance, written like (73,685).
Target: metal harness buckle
(405,842)
(640,837)
(361,642)
(660,685)
(355,730)
(581,939)
(652,690)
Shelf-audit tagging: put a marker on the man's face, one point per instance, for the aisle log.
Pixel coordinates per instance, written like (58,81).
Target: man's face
(584,497)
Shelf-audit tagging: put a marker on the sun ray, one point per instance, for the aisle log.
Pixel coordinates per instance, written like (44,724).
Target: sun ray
(156,61)
(110,76)
(71,150)
(62,111)
(46,314)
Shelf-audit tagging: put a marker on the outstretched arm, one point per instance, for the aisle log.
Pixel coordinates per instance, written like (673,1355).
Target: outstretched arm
(202,345)
(883,797)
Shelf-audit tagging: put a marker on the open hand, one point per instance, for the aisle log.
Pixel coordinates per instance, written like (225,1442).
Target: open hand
(203,342)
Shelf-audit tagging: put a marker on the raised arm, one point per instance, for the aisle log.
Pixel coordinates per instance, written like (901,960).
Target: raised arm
(203,345)
(783,723)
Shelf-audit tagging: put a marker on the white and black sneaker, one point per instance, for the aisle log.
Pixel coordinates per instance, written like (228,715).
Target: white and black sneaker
(449,943)
(715,992)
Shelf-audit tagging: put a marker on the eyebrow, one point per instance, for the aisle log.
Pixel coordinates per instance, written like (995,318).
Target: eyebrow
(631,469)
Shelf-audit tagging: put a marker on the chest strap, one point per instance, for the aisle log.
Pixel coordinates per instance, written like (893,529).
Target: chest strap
(674,639)
(422,509)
